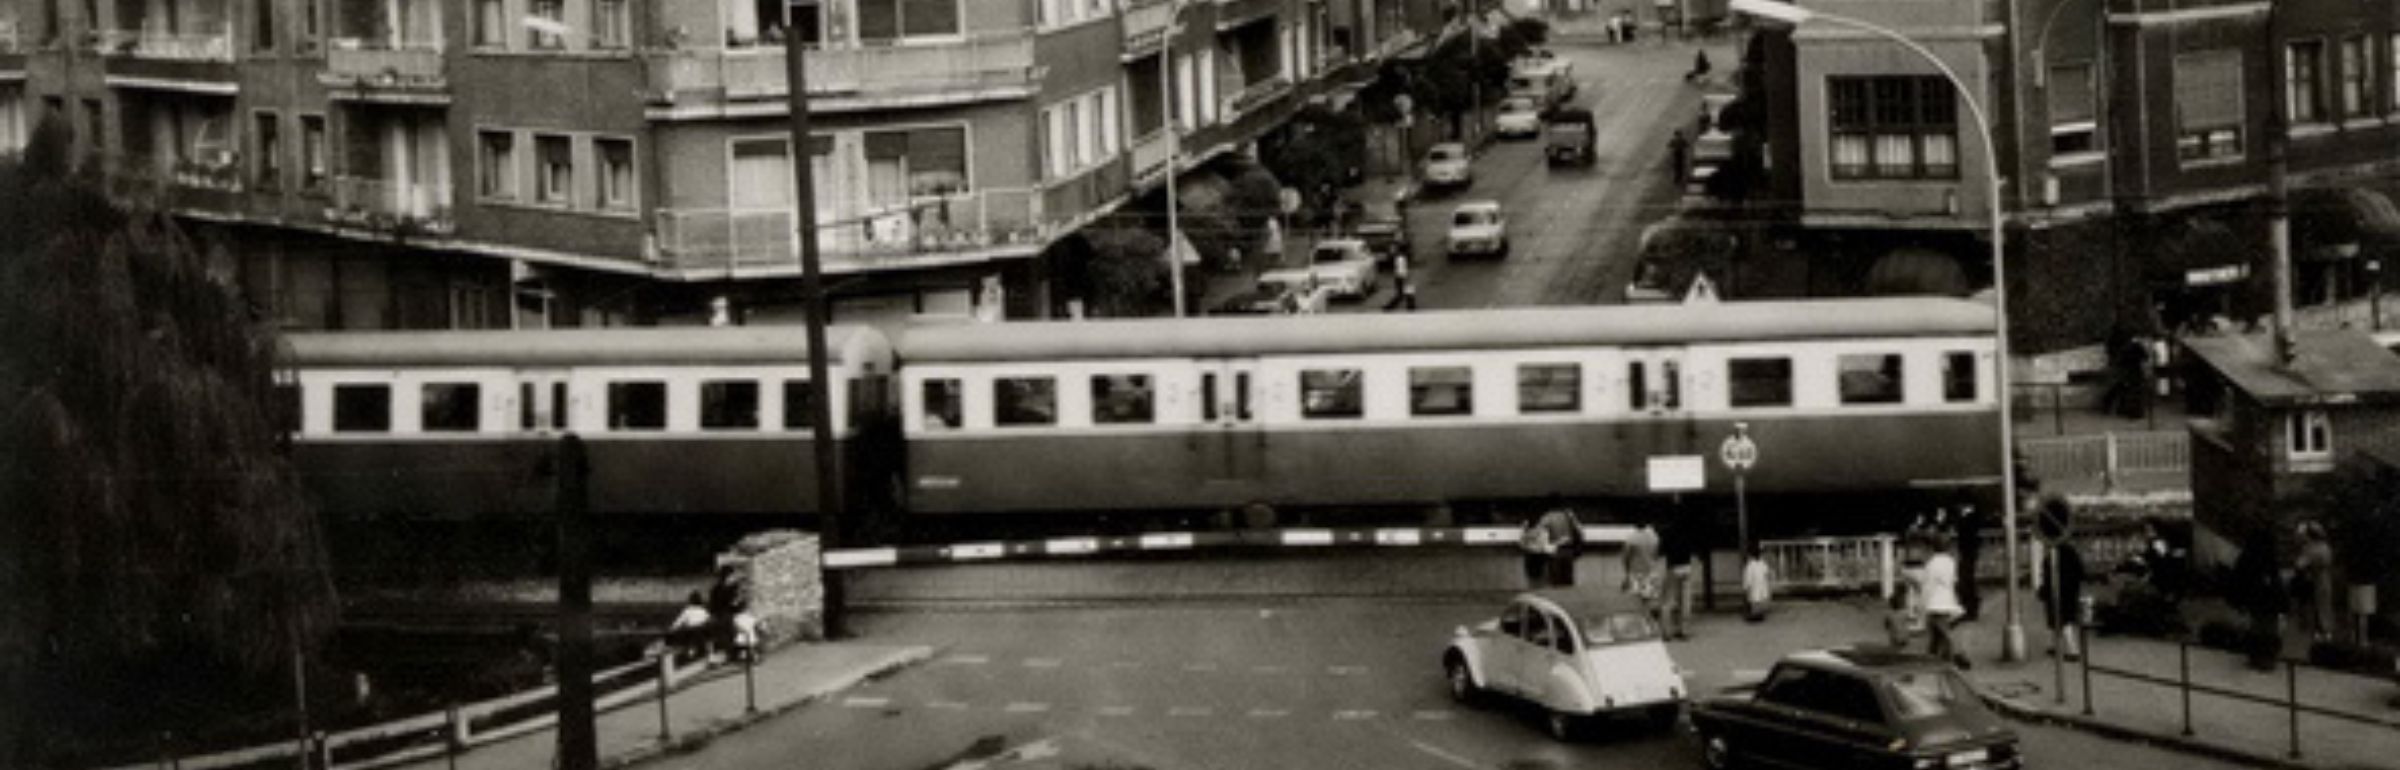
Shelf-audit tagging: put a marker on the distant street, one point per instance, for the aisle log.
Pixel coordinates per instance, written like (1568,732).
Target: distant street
(1575,230)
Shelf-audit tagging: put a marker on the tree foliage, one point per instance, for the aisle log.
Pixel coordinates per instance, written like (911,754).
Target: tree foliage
(1127,273)
(1321,153)
(157,552)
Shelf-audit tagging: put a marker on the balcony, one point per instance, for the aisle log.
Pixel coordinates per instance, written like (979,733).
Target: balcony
(162,45)
(377,70)
(1146,23)
(995,66)
(1150,153)
(963,228)
(1257,95)
(209,180)
(386,205)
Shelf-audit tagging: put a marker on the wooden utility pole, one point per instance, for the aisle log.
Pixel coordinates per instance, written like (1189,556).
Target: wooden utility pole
(578,741)
(812,291)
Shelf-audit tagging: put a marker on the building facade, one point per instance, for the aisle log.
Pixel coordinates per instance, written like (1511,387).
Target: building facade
(496,163)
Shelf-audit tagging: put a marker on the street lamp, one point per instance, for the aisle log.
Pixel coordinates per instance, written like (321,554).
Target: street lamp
(2013,642)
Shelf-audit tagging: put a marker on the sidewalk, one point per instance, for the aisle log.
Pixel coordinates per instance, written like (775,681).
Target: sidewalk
(714,704)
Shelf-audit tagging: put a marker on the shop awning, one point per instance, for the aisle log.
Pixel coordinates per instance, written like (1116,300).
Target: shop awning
(2340,222)
(2199,251)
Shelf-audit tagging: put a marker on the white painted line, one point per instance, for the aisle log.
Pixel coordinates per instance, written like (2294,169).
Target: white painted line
(946,705)
(1433,715)
(1490,535)
(865,702)
(1071,545)
(1267,669)
(1445,756)
(1199,667)
(1022,707)
(1126,664)
(1043,663)
(1165,541)
(862,557)
(1190,711)
(975,551)
(1269,713)
(1345,670)
(1308,537)
(1399,537)
(967,660)
(1353,715)
(1116,711)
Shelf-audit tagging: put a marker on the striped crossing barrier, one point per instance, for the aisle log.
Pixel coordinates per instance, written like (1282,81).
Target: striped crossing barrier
(1062,547)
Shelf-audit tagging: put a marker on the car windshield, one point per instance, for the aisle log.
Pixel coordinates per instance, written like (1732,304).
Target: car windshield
(1472,218)
(1517,105)
(1444,153)
(1928,694)
(1331,253)
(1618,628)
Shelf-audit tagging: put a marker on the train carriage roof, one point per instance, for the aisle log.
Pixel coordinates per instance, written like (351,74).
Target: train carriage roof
(1244,336)
(860,346)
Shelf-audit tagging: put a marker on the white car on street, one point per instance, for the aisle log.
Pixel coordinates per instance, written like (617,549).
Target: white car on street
(1478,228)
(1519,117)
(1343,265)
(1575,655)
(1448,165)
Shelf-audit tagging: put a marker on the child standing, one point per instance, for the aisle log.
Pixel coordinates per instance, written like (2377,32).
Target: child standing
(1757,587)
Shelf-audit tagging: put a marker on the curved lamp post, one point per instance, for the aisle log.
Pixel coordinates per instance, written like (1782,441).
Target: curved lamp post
(2013,643)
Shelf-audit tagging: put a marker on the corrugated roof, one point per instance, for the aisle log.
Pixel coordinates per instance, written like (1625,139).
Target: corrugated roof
(1231,337)
(2328,366)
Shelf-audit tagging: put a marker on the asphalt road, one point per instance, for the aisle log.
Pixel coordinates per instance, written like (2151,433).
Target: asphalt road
(1574,231)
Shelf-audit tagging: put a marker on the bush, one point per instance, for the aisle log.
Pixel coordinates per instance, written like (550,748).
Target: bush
(2141,610)
(2366,659)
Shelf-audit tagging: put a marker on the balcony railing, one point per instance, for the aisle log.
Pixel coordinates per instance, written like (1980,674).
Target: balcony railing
(1256,94)
(1146,23)
(383,64)
(383,204)
(210,46)
(702,240)
(216,170)
(994,62)
(1150,152)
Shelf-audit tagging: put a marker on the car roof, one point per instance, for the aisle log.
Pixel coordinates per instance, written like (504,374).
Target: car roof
(1583,603)
(1478,206)
(1341,243)
(1865,660)
(1454,146)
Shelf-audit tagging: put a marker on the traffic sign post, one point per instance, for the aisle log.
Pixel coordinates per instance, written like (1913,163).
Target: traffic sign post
(1739,453)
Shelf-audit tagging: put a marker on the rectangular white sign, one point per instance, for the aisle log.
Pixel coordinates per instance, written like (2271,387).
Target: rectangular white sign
(1678,473)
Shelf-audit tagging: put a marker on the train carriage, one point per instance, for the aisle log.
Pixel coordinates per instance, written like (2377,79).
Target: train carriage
(1850,395)
(452,424)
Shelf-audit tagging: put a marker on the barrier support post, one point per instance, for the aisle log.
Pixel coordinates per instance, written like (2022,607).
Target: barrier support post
(2291,698)
(750,682)
(1883,553)
(666,681)
(454,739)
(2183,673)
(2083,638)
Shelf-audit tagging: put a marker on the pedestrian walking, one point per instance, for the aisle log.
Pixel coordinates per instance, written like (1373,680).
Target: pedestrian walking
(2062,585)
(1942,609)
(1533,551)
(687,636)
(2312,582)
(1565,534)
(1967,528)
(1757,585)
(1642,567)
(1679,152)
(1681,546)
(2258,591)
(1700,67)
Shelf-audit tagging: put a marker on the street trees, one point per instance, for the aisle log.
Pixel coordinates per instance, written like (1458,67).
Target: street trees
(159,560)
(1319,154)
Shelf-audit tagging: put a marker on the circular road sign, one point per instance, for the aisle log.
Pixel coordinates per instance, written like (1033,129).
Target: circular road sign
(1738,452)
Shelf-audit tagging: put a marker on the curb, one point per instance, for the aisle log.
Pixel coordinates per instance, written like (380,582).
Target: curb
(698,738)
(2038,715)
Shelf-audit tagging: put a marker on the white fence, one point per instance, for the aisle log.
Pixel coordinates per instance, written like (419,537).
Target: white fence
(2108,457)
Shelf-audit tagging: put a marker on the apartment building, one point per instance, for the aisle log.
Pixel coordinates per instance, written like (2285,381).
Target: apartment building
(480,163)
(2133,143)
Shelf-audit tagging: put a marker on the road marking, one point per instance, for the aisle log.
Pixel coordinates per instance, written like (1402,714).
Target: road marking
(1269,713)
(1267,669)
(946,705)
(1116,711)
(1022,707)
(967,660)
(1433,715)
(1199,667)
(1042,663)
(1345,670)
(1353,715)
(1190,711)
(1445,756)
(1126,664)
(865,702)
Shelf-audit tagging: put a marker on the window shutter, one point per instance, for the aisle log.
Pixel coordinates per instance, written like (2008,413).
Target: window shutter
(2071,97)
(2208,89)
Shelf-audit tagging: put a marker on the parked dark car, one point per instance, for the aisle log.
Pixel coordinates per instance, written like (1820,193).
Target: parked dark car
(1855,710)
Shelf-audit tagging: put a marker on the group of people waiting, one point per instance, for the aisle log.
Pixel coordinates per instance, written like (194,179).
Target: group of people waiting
(1940,551)
(1661,569)
(716,624)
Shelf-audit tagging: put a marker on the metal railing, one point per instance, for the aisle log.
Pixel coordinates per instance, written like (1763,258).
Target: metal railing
(406,63)
(1002,60)
(2107,457)
(1150,152)
(386,203)
(2185,687)
(162,44)
(734,239)
(1256,94)
(1831,563)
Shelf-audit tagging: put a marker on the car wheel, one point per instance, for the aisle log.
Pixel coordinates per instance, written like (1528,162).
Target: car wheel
(1462,681)
(1503,248)
(1665,716)
(1717,753)
(1563,727)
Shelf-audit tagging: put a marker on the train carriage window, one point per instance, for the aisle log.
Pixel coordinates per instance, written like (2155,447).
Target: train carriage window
(558,406)
(941,404)
(1759,382)
(362,408)
(1435,391)
(729,405)
(451,407)
(525,406)
(1549,388)
(1637,381)
(1870,378)
(1958,377)
(800,405)
(1119,399)
(1327,394)
(1024,401)
(637,406)
(1671,390)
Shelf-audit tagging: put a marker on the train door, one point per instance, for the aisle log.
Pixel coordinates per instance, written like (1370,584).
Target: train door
(1233,447)
(542,402)
(1654,382)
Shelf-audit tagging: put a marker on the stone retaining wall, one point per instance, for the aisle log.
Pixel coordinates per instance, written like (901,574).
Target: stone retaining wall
(780,567)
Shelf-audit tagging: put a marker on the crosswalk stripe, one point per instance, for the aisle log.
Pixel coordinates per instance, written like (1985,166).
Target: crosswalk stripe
(1022,707)
(865,702)
(1353,715)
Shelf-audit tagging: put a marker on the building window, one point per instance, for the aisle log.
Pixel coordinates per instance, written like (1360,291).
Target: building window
(496,165)
(262,17)
(1328,394)
(1018,401)
(362,408)
(267,131)
(1549,388)
(1893,128)
(893,19)
(915,164)
(312,152)
(616,173)
(2208,105)
(612,24)
(12,122)
(545,36)
(2309,434)
(1870,378)
(2304,81)
(451,407)
(941,404)
(312,24)
(729,405)
(637,406)
(491,23)
(555,169)
(1958,377)
(1437,391)
(2357,78)
(1110,133)
(1759,382)
(2074,118)
(1122,399)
